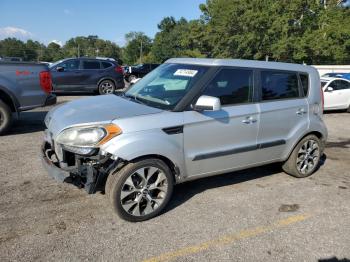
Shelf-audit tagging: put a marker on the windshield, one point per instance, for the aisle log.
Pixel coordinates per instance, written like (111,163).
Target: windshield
(56,63)
(165,86)
(323,83)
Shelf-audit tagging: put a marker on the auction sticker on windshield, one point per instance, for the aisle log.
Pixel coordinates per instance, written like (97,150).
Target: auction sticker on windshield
(185,72)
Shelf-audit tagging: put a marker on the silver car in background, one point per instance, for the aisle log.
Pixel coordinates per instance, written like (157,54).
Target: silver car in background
(187,119)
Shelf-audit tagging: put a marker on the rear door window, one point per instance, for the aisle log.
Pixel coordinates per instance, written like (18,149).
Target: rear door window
(91,64)
(279,85)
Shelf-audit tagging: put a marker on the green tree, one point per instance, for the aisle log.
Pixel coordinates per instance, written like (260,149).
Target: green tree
(138,46)
(12,47)
(179,39)
(293,31)
(91,46)
(53,52)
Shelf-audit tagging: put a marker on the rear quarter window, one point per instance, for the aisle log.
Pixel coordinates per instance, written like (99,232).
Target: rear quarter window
(278,85)
(304,79)
(106,65)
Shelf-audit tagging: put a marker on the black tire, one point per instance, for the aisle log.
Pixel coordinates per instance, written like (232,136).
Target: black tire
(131,77)
(348,110)
(106,87)
(5,118)
(298,157)
(116,182)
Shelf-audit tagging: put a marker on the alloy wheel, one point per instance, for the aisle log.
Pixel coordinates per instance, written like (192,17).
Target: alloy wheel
(144,191)
(106,87)
(308,156)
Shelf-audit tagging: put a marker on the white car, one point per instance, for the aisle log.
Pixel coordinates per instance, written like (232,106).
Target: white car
(336,93)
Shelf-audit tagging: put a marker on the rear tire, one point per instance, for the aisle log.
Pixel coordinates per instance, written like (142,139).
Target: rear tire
(305,158)
(106,87)
(140,190)
(5,117)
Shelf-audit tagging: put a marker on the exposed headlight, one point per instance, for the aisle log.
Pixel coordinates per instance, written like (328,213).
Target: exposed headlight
(90,136)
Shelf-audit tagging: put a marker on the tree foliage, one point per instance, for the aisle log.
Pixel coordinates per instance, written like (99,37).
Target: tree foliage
(137,48)
(78,46)
(301,31)
(297,31)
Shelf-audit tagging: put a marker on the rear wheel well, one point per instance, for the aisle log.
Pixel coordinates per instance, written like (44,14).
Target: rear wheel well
(316,133)
(106,78)
(7,100)
(174,169)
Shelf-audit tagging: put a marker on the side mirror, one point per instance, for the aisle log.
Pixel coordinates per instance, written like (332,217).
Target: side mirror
(330,89)
(207,103)
(59,69)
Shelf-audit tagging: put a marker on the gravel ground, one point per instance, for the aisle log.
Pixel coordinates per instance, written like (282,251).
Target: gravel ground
(259,214)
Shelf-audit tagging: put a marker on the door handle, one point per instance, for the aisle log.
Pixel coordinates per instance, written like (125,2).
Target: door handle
(249,120)
(301,111)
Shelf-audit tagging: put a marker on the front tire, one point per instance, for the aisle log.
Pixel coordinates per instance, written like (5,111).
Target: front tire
(140,190)
(106,87)
(305,157)
(5,118)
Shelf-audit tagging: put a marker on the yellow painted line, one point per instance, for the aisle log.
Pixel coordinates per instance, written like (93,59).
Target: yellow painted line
(227,239)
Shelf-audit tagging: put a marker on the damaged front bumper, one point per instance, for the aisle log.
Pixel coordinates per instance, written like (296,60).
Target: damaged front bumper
(88,172)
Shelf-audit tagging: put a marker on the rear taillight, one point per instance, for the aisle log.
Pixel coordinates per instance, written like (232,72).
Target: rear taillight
(45,81)
(322,99)
(119,69)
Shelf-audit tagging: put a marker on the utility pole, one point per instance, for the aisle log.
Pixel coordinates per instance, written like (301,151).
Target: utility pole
(141,52)
(78,50)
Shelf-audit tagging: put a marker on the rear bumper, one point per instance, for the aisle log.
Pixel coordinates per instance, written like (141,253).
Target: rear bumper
(120,84)
(50,100)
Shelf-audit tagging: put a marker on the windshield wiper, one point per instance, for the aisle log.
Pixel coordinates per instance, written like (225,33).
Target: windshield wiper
(133,97)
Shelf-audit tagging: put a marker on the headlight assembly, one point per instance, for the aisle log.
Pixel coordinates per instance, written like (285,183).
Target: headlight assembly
(89,136)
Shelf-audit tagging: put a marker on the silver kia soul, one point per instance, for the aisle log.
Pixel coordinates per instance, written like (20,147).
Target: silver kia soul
(187,119)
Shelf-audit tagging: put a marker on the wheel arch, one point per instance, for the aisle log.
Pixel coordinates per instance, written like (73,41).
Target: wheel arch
(107,78)
(318,134)
(8,99)
(175,171)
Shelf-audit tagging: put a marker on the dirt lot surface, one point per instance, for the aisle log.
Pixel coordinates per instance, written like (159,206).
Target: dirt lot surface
(259,214)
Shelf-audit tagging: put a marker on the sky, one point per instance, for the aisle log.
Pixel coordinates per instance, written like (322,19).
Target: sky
(60,20)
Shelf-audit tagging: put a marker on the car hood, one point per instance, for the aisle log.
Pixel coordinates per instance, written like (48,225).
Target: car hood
(91,110)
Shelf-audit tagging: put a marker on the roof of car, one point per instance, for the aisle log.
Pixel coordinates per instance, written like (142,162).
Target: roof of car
(243,63)
(90,58)
(327,79)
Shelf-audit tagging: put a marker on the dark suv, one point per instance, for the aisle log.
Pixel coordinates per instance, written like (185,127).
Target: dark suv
(87,74)
(138,71)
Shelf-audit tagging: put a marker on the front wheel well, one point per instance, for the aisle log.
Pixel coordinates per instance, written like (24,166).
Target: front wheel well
(173,168)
